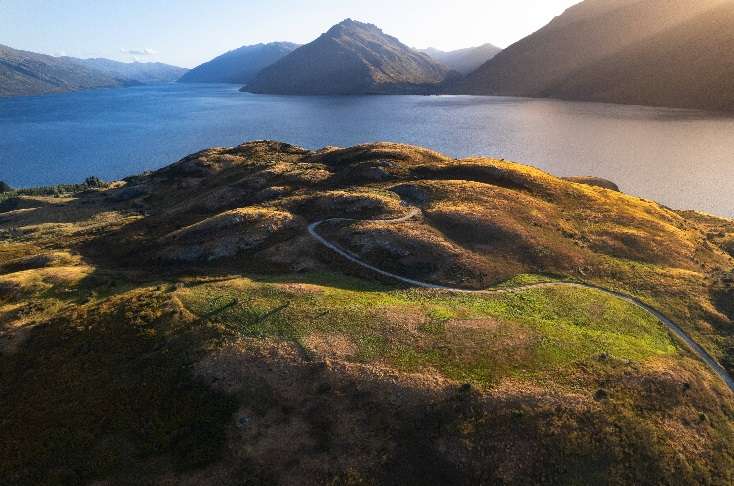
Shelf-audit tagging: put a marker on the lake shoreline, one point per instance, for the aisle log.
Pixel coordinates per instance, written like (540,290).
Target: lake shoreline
(114,133)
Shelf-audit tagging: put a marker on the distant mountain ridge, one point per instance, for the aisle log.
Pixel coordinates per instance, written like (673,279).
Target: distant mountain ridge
(464,61)
(29,73)
(673,53)
(241,65)
(135,72)
(351,58)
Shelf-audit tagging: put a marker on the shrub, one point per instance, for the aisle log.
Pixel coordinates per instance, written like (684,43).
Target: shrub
(729,246)
(7,192)
(94,181)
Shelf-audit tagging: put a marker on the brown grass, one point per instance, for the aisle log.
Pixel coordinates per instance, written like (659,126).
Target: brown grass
(94,335)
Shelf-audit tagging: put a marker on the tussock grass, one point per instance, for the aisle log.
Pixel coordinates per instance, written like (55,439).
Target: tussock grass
(106,391)
(121,365)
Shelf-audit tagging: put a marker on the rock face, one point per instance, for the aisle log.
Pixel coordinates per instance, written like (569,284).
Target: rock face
(28,73)
(239,66)
(351,58)
(464,61)
(654,52)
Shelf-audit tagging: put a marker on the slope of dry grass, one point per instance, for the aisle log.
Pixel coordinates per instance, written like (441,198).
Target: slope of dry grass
(181,328)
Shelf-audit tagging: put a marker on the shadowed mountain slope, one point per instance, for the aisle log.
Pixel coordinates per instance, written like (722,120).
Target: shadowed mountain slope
(351,58)
(690,65)
(239,66)
(28,73)
(656,52)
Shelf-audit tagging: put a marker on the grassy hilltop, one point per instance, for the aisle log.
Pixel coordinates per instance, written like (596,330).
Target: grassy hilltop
(181,327)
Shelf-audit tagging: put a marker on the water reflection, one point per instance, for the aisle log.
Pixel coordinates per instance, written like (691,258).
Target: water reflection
(682,158)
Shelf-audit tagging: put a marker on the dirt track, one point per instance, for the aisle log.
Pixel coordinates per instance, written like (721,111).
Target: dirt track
(696,348)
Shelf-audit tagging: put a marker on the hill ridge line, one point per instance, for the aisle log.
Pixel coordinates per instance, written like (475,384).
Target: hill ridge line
(413,212)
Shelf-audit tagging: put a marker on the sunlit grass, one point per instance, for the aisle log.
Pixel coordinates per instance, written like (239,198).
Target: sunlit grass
(474,338)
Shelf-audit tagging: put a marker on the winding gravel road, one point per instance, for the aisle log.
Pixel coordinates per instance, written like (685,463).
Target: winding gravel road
(696,348)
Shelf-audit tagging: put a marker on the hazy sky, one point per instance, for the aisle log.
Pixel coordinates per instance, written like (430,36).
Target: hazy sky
(188,32)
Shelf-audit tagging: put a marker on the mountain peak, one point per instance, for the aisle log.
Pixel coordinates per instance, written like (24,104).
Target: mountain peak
(351,58)
(350,25)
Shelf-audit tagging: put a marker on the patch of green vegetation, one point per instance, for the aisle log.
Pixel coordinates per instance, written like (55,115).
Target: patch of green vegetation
(436,324)
(56,190)
(527,279)
(327,280)
(371,347)
(476,338)
(680,294)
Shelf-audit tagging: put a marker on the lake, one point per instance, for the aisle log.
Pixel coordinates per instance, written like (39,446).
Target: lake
(682,158)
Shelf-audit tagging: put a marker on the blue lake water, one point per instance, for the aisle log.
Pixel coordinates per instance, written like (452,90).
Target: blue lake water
(684,159)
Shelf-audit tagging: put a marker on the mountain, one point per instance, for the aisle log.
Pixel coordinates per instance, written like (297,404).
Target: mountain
(689,66)
(29,73)
(655,52)
(188,326)
(239,66)
(464,61)
(134,72)
(351,58)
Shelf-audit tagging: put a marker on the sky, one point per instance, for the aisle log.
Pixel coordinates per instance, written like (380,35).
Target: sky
(189,32)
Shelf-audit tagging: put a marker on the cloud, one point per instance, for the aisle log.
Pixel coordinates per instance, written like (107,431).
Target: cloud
(139,52)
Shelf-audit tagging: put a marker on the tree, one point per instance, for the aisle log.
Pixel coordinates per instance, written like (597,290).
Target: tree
(5,187)
(93,182)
